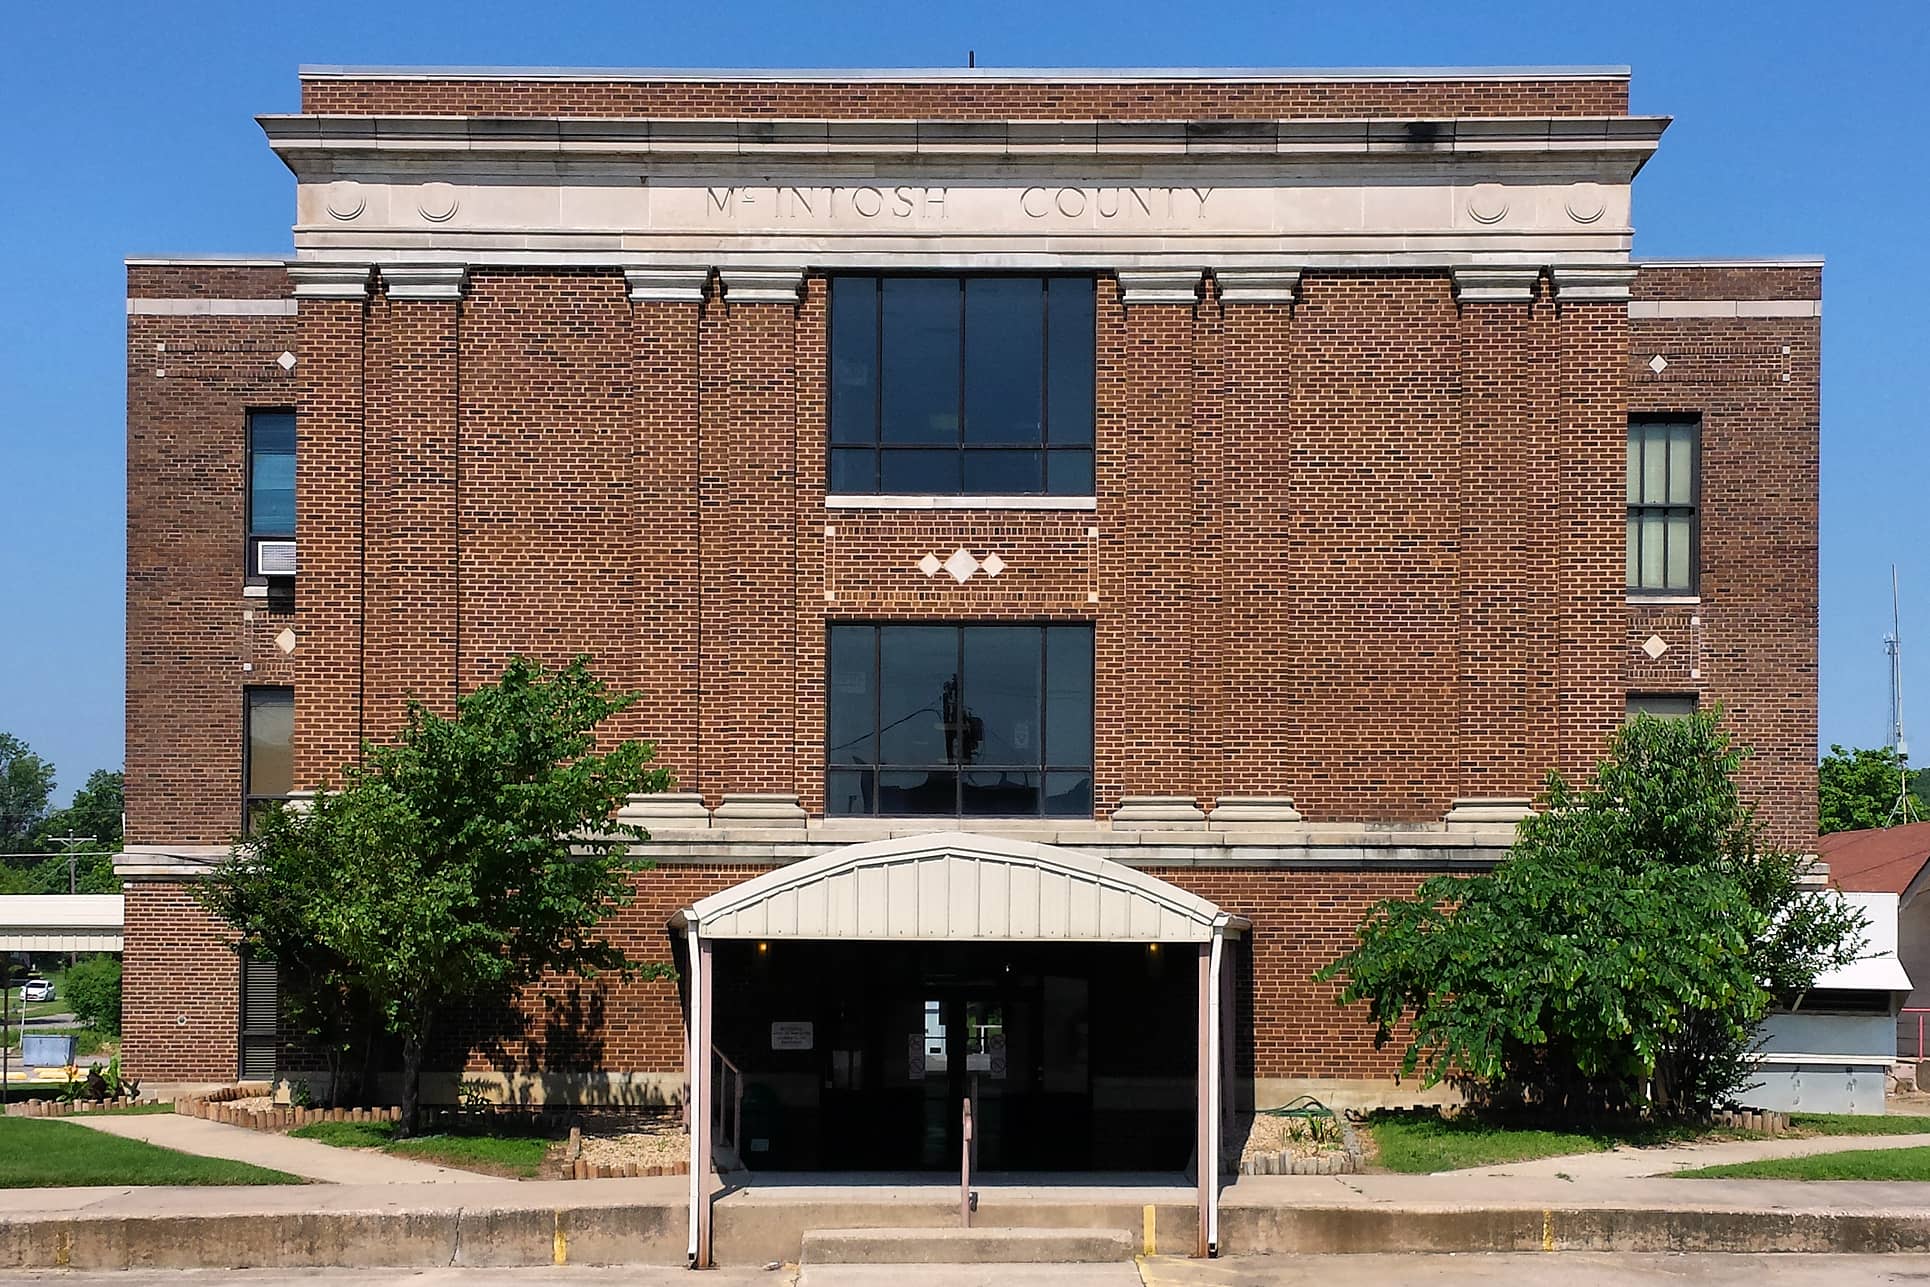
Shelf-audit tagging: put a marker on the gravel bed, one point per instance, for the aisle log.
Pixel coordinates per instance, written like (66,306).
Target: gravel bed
(1269,1135)
(644,1144)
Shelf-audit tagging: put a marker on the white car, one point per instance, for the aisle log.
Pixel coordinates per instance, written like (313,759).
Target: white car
(36,990)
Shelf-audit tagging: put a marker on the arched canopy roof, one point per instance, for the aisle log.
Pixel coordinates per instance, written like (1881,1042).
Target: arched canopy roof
(959,887)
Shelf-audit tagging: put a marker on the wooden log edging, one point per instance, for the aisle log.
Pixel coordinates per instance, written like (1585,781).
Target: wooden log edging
(1758,1120)
(576,1167)
(63,1108)
(583,1170)
(217,1106)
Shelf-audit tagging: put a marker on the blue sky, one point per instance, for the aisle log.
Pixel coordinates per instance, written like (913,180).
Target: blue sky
(128,129)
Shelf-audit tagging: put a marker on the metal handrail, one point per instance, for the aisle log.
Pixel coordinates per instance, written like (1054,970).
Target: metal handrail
(1919,1012)
(733,1076)
(965,1169)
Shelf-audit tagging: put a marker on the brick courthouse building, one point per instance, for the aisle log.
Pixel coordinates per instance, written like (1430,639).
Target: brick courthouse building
(1064,526)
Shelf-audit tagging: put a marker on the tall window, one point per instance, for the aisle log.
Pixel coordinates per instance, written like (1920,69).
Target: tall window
(271,473)
(271,492)
(962,385)
(1664,480)
(971,720)
(268,757)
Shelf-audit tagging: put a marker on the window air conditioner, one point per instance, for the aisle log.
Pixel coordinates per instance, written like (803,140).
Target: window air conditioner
(274,558)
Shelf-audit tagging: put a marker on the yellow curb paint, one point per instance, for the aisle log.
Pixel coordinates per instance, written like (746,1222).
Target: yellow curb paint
(1147,1241)
(559,1245)
(1548,1231)
(63,1249)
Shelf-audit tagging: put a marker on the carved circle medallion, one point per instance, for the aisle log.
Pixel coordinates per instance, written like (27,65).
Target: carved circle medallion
(1586,202)
(1488,203)
(343,199)
(437,202)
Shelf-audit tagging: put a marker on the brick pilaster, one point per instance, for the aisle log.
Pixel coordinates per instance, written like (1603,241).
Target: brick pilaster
(330,453)
(414,479)
(665,313)
(1593,486)
(757,466)
(1144,661)
(1508,574)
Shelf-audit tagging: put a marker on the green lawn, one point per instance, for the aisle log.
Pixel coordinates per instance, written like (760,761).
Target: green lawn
(1425,1142)
(1862,1164)
(1857,1124)
(37,1152)
(512,1155)
(1420,1143)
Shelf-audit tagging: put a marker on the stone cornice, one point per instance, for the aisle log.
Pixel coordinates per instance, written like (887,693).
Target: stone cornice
(666,284)
(1159,285)
(1257,285)
(1496,284)
(1594,283)
(1237,834)
(329,281)
(762,285)
(1625,140)
(432,282)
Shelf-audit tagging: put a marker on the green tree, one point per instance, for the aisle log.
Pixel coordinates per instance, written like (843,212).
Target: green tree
(472,857)
(1625,953)
(26,781)
(93,992)
(95,812)
(1858,789)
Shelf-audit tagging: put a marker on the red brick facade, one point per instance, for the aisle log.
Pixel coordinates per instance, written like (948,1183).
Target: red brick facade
(1363,550)
(964,100)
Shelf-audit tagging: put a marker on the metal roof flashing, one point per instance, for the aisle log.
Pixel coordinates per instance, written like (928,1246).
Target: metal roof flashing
(943,75)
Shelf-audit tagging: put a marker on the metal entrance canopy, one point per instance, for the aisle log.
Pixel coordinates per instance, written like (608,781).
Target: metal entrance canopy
(959,887)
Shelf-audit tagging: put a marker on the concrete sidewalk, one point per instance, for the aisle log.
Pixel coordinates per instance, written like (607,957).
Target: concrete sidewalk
(307,1158)
(483,1223)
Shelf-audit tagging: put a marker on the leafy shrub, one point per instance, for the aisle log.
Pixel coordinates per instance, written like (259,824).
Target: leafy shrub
(1624,955)
(94,993)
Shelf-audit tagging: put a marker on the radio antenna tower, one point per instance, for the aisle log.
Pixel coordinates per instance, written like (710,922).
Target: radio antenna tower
(1905,809)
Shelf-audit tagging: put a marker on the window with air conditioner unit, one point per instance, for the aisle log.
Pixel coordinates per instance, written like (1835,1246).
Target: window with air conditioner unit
(271,496)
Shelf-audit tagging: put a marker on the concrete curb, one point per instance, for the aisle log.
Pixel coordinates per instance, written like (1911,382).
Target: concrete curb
(1257,1230)
(650,1234)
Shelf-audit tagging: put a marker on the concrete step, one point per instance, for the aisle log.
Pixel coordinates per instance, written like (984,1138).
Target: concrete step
(952,1245)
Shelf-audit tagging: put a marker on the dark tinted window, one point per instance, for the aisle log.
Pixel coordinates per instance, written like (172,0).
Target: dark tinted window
(1661,705)
(268,740)
(962,385)
(979,720)
(271,473)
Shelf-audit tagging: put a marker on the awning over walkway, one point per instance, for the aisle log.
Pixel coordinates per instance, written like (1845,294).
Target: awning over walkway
(954,886)
(959,887)
(61,922)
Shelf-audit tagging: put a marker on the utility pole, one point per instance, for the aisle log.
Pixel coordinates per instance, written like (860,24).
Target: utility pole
(72,851)
(1905,809)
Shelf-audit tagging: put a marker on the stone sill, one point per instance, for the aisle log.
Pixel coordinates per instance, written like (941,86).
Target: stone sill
(866,500)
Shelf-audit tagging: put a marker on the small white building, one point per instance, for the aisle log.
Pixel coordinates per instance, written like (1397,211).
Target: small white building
(1831,1050)
(61,922)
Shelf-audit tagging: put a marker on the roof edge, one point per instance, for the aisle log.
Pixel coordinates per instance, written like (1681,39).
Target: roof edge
(946,75)
(1741,261)
(216,261)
